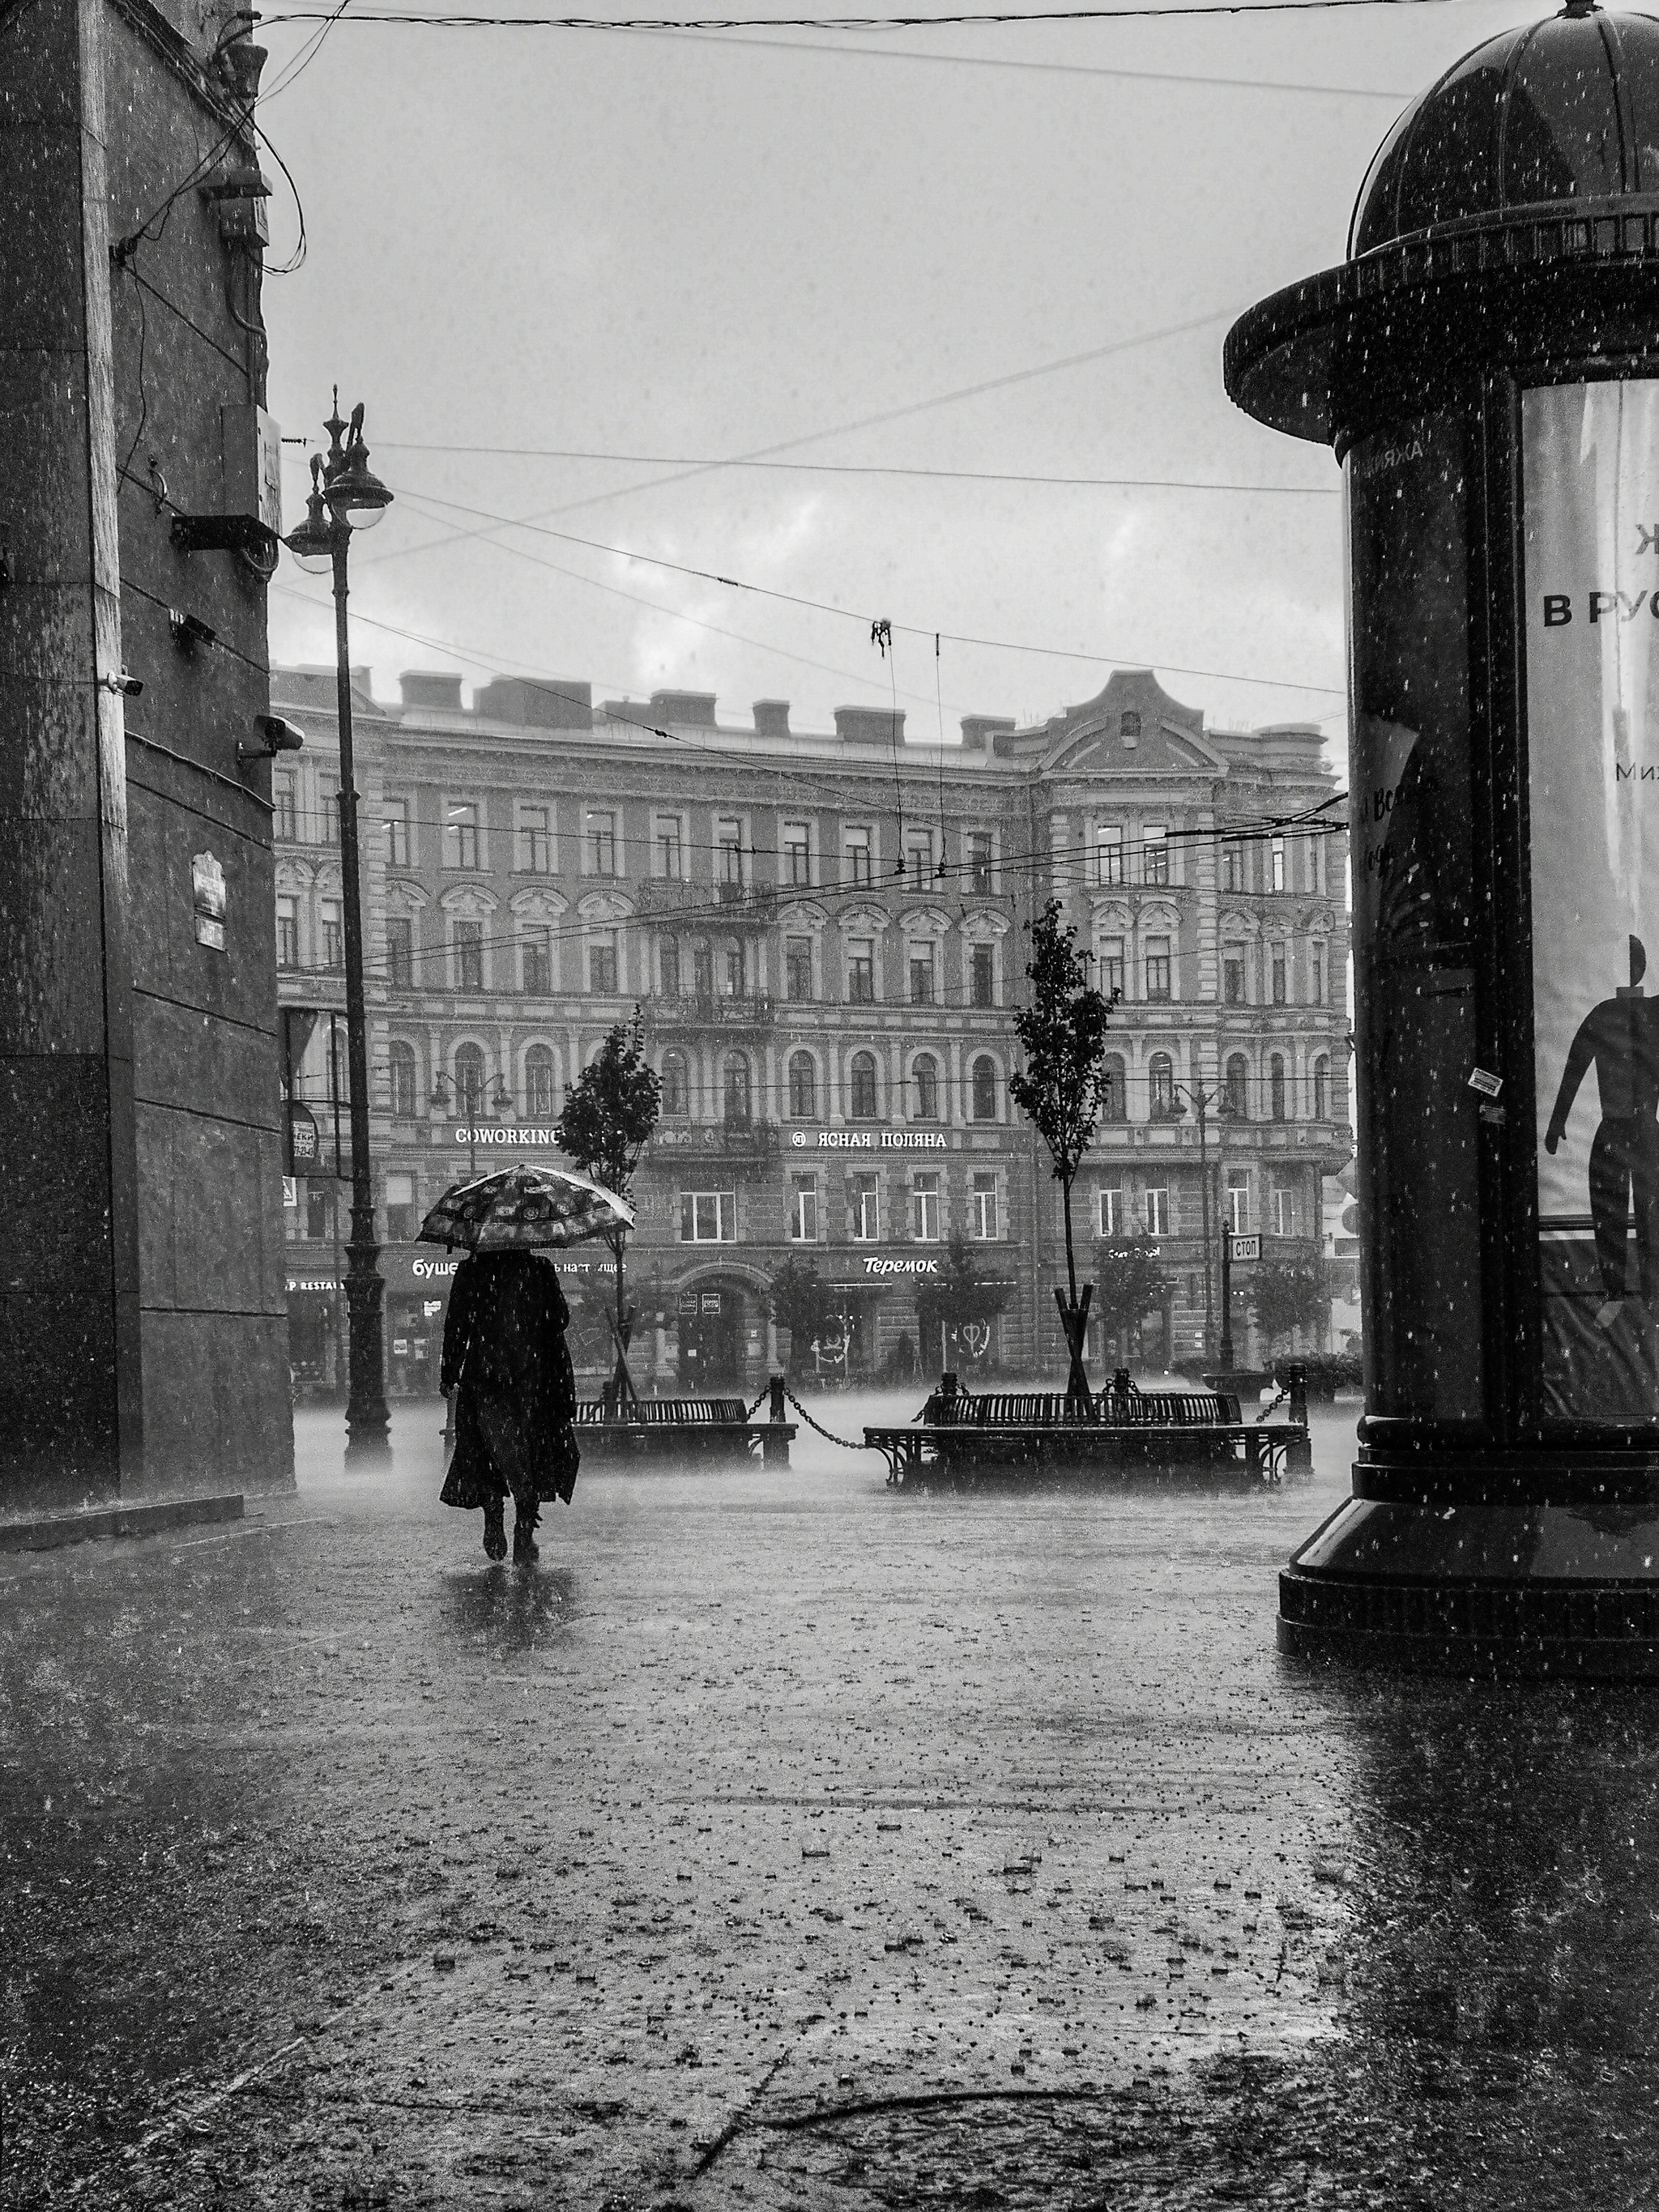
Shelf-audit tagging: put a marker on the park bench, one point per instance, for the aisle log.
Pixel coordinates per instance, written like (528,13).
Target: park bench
(685,1432)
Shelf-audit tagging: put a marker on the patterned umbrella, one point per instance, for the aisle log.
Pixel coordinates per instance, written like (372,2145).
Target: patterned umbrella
(524,1209)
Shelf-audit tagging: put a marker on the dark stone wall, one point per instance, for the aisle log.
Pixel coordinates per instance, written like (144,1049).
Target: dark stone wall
(140,1160)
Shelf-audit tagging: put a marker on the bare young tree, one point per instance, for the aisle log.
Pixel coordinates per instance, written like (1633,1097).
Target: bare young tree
(1063,1088)
(608,1118)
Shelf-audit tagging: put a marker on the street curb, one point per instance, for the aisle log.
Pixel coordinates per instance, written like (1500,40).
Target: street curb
(147,1517)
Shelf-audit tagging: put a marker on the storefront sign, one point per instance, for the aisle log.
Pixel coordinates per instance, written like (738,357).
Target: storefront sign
(1591,460)
(510,1139)
(869,1141)
(901,1267)
(312,1283)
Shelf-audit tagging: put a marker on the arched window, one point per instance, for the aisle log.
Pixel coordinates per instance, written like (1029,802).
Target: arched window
(469,1082)
(1160,1086)
(404,1083)
(1276,1084)
(985,1089)
(924,1075)
(803,1086)
(538,1084)
(1322,1097)
(734,1075)
(864,1086)
(1116,1106)
(674,1104)
(1238,1086)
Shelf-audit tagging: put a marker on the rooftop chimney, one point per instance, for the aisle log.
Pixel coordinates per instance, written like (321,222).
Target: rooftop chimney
(869,726)
(427,687)
(771,718)
(978,730)
(553,703)
(695,706)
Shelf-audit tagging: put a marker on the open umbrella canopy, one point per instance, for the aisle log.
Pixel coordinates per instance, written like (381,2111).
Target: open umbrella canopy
(525,1209)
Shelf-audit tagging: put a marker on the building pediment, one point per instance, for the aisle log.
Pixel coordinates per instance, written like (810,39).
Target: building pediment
(537,904)
(405,896)
(983,922)
(605,906)
(865,920)
(468,901)
(802,913)
(925,920)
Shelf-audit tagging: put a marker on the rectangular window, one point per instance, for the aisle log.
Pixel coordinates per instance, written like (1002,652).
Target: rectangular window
(1238,1201)
(1279,864)
(284,807)
(708,1216)
(858,861)
(804,1210)
(728,856)
(668,964)
(983,1216)
(796,855)
(333,942)
(921,974)
(866,1209)
(400,1218)
(601,963)
(982,975)
(861,971)
(328,809)
(319,1213)
(397,833)
(924,1206)
(535,953)
(1284,1211)
(1158,1211)
(1232,867)
(734,980)
(535,841)
(918,856)
(1232,978)
(1154,852)
(982,873)
(667,845)
(287,932)
(1157,968)
(1279,976)
(798,966)
(1108,855)
(1111,1209)
(1111,967)
(1316,974)
(703,971)
(461,835)
(468,956)
(601,843)
(400,952)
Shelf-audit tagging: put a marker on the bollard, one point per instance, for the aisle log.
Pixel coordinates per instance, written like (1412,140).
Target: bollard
(1486,366)
(1299,1452)
(774,1450)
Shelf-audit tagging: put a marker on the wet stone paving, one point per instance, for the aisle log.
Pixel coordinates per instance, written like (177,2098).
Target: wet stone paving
(778,1841)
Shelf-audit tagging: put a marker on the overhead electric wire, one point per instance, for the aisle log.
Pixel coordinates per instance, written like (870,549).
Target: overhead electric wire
(455,22)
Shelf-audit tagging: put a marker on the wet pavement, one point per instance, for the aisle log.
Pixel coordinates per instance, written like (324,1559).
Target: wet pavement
(781,1841)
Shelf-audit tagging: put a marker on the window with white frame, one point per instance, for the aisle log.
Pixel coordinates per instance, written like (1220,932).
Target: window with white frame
(1238,1201)
(918,855)
(1158,969)
(536,840)
(858,855)
(865,1197)
(981,861)
(538,1085)
(667,854)
(796,855)
(396,832)
(1157,1209)
(804,1209)
(1109,853)
(924,1206)
(1278,852)
(1284,1210)
(708,1216)
(982,1210)
(1111,1209)
(461,839)
(600,844)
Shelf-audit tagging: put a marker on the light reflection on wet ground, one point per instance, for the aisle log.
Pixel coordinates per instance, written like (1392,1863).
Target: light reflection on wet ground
(780,1841)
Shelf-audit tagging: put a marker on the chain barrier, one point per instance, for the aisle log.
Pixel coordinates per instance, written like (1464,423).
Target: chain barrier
(828,1434)
(1270,1407)
(760,1400)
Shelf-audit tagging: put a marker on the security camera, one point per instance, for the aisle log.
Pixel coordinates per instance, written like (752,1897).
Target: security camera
(280,736)
(123,685)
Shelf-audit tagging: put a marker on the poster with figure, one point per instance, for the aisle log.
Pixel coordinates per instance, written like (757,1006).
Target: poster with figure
(1591,568)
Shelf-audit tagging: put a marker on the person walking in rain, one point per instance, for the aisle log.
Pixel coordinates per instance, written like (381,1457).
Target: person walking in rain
(1620,1040)
(506,1358)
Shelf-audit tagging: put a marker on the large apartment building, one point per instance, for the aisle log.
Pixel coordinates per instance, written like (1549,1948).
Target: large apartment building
(826,931)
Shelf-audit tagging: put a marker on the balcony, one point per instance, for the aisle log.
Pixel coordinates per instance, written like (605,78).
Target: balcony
(750,1011)
(663,898)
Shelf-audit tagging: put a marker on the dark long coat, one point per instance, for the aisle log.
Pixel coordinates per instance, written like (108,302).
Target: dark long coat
(505,1358)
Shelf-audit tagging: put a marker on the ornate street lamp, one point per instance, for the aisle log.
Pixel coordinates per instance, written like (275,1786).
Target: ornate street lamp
(347,497)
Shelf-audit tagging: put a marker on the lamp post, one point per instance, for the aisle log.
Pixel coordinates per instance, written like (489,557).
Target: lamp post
(1226,1113)
(1201,1100)
(346,496)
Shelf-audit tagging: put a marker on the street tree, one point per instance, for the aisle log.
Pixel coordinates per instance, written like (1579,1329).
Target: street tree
(957,1306)
(1128,1283)
(1063,1088)
(607,1121)
(1289,1294)
(800,1302)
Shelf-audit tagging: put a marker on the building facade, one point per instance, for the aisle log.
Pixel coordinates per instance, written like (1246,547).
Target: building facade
(145,1319)
(826,933)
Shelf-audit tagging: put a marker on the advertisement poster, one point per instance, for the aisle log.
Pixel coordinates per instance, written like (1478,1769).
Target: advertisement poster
(1591,462)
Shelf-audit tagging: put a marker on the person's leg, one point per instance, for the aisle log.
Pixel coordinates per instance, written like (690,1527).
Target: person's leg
(526,1513)
(494,1527)
(1609,1198)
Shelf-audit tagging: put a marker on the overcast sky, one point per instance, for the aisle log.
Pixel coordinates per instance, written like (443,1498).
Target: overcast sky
(704,246)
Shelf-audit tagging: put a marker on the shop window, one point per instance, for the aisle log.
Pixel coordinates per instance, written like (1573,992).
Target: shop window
(924,1077)
(708,1216)
(865,1106)
(405,1082)
(803,1086)
(538,1084)
(401,1218)
(984,1089)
